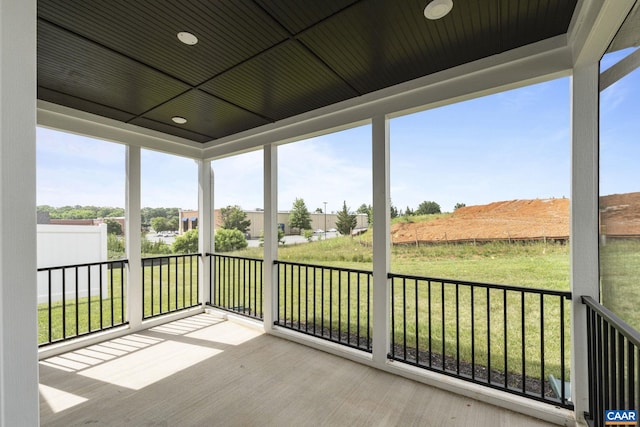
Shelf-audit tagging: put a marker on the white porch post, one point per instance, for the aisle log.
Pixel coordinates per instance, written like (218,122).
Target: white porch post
(205,233)
(381,244)
(18,319)
(133,238)
(270,272)
(584,222)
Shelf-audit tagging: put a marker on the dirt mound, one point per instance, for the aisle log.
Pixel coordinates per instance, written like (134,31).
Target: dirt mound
(520,220)
(510,220)
(620,214)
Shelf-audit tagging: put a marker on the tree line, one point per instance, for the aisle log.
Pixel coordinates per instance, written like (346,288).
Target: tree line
(235,224)
(81,212)
(159,219)
(427,207)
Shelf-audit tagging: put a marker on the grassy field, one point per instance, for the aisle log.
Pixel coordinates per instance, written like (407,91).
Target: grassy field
(530,265)
(537,264)
(170,286)
(166,288)
(83,315)
(619,272)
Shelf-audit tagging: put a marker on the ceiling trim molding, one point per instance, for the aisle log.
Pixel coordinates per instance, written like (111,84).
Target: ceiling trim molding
(67,119)
(530,64)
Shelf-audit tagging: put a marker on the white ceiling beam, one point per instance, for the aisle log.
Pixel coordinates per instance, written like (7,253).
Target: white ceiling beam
(619,70)
(86,124)
(594,26)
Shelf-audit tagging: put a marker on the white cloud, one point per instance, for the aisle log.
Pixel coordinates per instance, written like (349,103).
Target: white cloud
(318,171)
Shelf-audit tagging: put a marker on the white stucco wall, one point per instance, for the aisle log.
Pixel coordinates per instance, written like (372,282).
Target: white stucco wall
(60,245)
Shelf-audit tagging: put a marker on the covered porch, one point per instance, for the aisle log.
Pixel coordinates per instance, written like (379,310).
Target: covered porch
(199,369)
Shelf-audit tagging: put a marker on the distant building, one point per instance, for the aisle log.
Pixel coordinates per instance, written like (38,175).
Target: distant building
(319,221)
(188,220)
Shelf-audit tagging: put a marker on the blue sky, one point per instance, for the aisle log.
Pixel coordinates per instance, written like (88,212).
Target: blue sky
(620,132)
(512,145)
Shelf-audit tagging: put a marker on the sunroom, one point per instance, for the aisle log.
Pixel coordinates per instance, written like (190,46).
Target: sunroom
(207,81)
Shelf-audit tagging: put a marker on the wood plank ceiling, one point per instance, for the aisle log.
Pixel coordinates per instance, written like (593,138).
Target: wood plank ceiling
(260,61)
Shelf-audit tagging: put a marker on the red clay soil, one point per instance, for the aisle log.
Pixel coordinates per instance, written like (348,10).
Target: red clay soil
(510,220)
(536,219)
(620,214)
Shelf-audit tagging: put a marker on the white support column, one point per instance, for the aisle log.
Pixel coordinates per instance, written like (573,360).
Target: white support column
(270,272)
(584,222)
(381,243)
(205,228)
(133,238)
(18,320)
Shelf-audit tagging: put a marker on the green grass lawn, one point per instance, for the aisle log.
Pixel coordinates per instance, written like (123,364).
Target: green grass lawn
(166,288)
(170,286)
(537,265)
(620,274)
(530,265)
(92,314)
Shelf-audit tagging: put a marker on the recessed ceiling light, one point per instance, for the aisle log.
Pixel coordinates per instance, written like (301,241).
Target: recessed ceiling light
(187,38)
(179,120)
(437,9)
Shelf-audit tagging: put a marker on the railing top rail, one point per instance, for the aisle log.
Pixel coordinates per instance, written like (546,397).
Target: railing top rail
(234,256)
(170,256)
(300,264)
(632,335)
(86,264)
(565,294)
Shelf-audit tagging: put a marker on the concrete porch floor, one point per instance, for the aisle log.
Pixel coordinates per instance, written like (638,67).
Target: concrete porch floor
(204,371)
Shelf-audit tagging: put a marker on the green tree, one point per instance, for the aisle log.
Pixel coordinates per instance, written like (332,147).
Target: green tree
(148,213)
(173,223)
(345,221)
(115,246)
(408,211)
(318,211)
(81,212)
(458,206)
(233,217)
(153,248)
(160,224)
(393,211)
(45,208)
(427,208)
(187,243)
(308,234)
(113,227)
(229,240)
(300,217)
(78,213)
(109,212)
(366,209)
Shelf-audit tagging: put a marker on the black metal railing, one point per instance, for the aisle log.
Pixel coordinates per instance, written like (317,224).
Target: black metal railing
(613,353)
(509,338)
(80,299)
(170,283)
(326,302)
(236,284)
